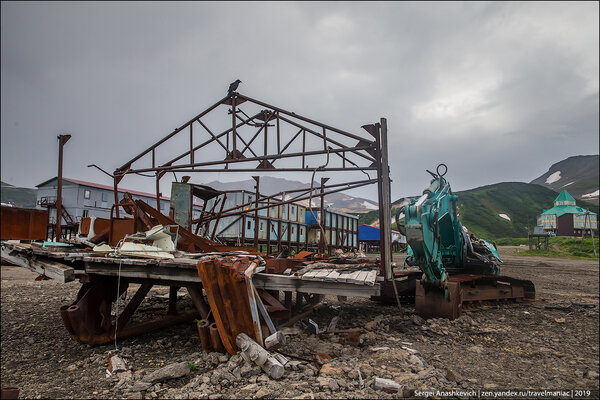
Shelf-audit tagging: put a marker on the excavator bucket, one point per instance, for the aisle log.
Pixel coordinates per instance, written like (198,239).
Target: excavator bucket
(468,291)
(431,302)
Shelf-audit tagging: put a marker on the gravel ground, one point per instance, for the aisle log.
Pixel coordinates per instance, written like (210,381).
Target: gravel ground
(514,346)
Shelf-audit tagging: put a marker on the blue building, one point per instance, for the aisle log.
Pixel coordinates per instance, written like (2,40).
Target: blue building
(369,238)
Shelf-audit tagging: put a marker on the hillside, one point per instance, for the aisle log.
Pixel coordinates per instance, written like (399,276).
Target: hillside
(19,197)
(480,208)
(271,185)
(577,174)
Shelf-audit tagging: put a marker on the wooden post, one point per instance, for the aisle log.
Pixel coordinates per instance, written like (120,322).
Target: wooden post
(385,204)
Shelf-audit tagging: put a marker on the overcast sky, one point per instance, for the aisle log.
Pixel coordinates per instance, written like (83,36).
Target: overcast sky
(497,91)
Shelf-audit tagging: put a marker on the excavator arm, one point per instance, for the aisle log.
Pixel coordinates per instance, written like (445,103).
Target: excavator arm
(441,247)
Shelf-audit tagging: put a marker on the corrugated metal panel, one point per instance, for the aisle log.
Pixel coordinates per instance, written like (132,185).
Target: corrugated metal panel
(293,232)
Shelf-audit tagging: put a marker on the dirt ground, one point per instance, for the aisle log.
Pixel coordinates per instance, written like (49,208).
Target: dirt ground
(551,344)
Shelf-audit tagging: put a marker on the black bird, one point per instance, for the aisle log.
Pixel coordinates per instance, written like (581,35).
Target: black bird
(233,87)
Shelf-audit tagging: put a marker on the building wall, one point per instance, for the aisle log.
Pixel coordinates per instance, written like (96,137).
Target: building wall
(87,201)
(547,221)
(579,221)
(564,225)
(341,229)
(278,225)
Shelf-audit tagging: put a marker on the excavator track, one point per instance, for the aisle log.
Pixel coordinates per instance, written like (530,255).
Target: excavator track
(466,290)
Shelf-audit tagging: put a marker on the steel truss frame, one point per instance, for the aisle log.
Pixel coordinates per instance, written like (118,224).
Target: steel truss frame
(260,141)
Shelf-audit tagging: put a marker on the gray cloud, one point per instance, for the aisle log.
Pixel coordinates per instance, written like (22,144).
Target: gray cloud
(498,91)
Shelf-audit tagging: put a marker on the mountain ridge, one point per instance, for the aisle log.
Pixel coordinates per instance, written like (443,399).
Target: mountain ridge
(579,175)
(272,185)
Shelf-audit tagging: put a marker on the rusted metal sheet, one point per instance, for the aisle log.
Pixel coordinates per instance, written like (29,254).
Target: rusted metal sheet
(223,282)
(119,228)
(303,254)
(278,265)
(23,223)
(85,225)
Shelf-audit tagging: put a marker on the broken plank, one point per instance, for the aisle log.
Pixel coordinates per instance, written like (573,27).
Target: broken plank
(310,274)
(143,271)
(370,278)
(291,283)
(332,277)
(51,269)
(322,274)
(343,276)
(352,276)
(359,279)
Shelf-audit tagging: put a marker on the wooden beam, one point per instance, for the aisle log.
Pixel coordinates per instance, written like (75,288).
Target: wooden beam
(51,269)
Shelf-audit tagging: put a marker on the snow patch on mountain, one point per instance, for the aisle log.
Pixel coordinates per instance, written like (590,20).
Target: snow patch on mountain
(369,206)
(591,195)
(506,217)
(553,178)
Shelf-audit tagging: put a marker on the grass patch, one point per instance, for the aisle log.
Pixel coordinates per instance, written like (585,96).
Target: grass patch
(559,246)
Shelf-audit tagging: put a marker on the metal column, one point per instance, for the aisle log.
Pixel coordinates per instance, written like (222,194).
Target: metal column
(62,139)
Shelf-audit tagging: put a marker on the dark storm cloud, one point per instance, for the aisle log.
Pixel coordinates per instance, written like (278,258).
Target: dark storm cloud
(498,91)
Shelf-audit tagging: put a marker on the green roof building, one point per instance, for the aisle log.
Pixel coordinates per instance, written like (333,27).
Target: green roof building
(566,218)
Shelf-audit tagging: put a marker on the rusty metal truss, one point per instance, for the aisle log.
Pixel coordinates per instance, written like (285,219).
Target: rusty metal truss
(253,136)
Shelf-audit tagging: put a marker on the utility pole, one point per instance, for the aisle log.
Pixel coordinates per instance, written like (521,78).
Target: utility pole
(62,139)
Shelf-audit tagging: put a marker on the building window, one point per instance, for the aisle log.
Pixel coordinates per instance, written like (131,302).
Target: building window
(85,213)
(249,225)
(261,226)
(86,194)
(292,230)
(301,231)
(104,196)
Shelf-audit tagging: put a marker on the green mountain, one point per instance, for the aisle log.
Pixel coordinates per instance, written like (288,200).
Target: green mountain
(579,175)
(19,197)
(480,209)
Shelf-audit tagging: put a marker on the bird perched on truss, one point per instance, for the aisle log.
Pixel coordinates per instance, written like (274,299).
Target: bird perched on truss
(233,87)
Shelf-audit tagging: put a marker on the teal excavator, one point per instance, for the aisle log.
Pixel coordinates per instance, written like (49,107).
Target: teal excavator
(458,268)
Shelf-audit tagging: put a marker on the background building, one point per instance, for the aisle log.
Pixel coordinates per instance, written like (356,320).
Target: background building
(82,199)
(368,239)
(341,230)
(566,218)
(279,225)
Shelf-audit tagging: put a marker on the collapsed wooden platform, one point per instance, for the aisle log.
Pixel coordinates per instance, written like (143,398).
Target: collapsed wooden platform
(105,278)
(65,266)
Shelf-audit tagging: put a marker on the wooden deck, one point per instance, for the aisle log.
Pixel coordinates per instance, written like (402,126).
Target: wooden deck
(64,265)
